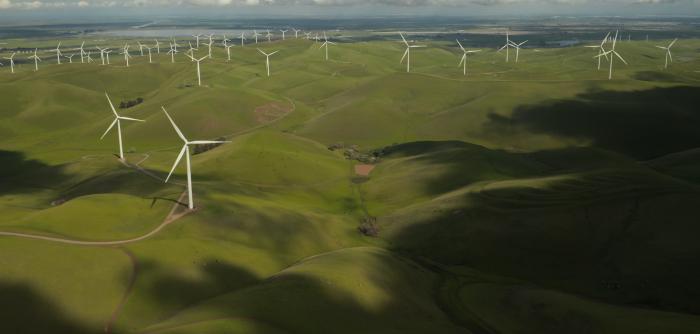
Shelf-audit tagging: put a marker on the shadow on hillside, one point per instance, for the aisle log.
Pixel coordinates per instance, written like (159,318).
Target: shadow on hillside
(21,175)
(642,124)
(26,311)
(613,230)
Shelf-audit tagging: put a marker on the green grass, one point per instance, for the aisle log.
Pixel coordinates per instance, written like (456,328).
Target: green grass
(523,198)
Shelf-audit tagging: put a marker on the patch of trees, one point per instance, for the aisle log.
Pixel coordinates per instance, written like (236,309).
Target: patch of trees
(352,152)
(129,104)
(368,226)
(206,147)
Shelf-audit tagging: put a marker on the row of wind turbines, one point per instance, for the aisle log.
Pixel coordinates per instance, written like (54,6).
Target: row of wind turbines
(605,51)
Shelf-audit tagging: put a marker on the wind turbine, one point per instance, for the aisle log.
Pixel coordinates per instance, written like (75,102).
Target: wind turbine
(126,54)
(243,39)
(36,60)
(140,47)
(308,35)
(117,121)
(601,49)
(225,41)
(507,46)
(70,58)
(58,53)
(199,74)
(228,52)
(283,32)
(157,46)
(102,54)
(197,37)
(407,53)
(269,36)
(255,34)
(172,53)
(186,151)
(326,43)
(89,57)
(82,53)
(209,45)
(107,52)
(174,45)
(296,32)
(517,49)
(11,58)
(150,58)
(267,60)
(612,54)
(668,52)
(463,61)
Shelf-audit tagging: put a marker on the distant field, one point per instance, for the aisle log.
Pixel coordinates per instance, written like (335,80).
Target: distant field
(529,197)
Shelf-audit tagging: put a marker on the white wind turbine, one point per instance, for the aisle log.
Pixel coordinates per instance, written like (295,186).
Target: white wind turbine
(82,53)
(89,57)
(283,32)
(224,42)
(269,36)
(507,46)
(326,43)
(102,54)
(70,58)
(36,60)
(463,61)
(199,74)
(197,37)
(308,35)
(601,49)
(407,53)
(172,53)
(210,44)
(174,45)
(267,60)
(668,51)
(107,52)
(150,57)
(612,54)
(126,54)
(157,46)
(517,49)
(228,52)
(186,152)
(242,39)
(11,58)
(58,53)
(117,121)
(296,32)
(140,47)
(255,34)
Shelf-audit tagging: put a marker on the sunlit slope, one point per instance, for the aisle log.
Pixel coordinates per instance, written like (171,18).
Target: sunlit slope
(389,293)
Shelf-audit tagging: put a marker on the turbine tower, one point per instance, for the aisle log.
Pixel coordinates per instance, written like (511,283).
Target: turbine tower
(407,53)
(463,60)
(186,151)
(267,60)
(668,52)
(117,121)
(197,37)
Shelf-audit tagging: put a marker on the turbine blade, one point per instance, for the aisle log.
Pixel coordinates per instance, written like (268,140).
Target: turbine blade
(618,56)
(460,45)
(201,142)
(179,156)
(404,40)
(179,133)
(404,56)
(111,105)
(109,128)
(131,119)
(464,58)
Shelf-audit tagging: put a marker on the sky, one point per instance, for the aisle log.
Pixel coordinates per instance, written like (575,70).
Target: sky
(352,7)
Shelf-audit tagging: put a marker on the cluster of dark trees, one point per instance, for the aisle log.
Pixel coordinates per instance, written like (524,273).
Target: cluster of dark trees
(352,152)
(129,104)
(368,226)
(206,147)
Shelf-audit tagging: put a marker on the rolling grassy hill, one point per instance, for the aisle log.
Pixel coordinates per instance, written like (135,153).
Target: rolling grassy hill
(535,197)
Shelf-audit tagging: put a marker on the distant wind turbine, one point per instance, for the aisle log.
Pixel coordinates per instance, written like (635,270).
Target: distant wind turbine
(197,37)
(186,152)
(601,48)
(255,34)
(326,43)
(157,46)
(172,53)
(58,53)
(11,58)
(507,46)
(117,121)
(82,53)
(242,39)
(126,54)
(267,60)
(199,74)
(36,60)
(283,32)
(463,60)
(407,53)
(296,32)
(612,54)
(668,52)
(269,36)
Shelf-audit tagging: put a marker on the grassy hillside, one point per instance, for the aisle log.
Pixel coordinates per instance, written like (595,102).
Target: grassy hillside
(535,197)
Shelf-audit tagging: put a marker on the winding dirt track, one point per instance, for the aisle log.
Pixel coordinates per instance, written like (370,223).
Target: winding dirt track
(171,217)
